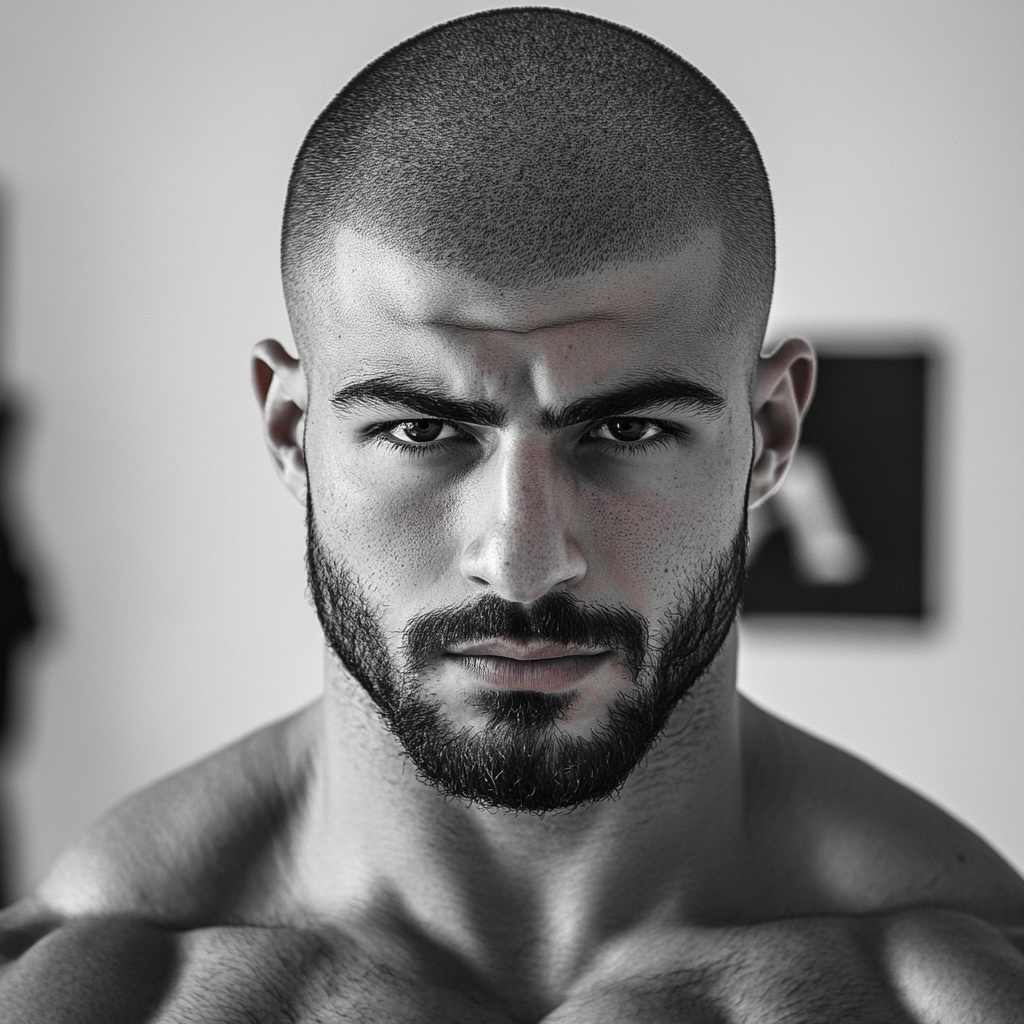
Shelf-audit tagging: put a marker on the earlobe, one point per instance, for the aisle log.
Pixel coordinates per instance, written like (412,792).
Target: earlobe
(783,386)
(280,385)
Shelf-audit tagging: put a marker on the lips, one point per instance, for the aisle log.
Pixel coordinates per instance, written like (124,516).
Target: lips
(524,650)
(533,665)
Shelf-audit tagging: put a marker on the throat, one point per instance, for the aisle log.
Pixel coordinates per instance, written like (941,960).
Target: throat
(523,900)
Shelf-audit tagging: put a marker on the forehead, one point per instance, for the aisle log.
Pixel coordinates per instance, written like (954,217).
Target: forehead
(375,303)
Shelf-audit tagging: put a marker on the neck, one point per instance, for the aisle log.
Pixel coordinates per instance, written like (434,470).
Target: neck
(498,886)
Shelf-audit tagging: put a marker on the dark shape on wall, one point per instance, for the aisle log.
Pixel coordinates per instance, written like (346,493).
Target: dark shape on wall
(18,614)
(18,618)
(846,534)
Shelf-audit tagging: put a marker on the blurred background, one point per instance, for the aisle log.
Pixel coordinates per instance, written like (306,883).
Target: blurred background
(144,152)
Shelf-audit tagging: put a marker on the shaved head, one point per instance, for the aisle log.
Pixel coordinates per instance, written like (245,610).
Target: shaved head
(529,145)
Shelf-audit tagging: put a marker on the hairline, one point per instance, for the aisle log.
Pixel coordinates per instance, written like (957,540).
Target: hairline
(315,258)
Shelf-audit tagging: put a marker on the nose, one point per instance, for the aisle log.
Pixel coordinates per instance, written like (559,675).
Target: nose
(520,542)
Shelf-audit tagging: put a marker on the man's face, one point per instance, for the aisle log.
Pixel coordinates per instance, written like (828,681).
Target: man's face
(526,509)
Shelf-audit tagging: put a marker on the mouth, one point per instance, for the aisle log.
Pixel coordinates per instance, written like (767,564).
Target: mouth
(506,665)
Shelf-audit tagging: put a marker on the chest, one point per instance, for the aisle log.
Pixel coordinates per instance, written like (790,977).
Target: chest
(726,976)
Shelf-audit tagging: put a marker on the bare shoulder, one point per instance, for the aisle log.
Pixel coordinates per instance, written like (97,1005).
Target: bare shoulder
(83,970)
(866,843)
(120,970)
(191,848)
(110,931)
(907,967)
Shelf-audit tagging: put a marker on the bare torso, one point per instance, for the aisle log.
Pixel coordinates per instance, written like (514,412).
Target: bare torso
(183,905)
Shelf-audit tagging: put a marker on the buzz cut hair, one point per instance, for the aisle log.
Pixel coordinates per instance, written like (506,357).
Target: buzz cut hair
(527,145)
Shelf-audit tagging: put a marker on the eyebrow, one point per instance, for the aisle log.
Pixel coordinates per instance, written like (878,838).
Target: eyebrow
(633,396)
(433,403)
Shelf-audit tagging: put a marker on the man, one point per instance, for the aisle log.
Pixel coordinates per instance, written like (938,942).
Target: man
(528,258)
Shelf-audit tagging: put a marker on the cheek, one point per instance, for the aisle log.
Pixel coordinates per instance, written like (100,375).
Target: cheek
(645,543)
(393,536)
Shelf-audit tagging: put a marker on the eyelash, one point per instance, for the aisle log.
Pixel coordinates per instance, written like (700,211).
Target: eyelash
(378,434)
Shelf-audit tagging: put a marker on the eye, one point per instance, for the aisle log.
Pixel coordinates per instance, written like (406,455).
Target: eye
(420,432)
(627,430)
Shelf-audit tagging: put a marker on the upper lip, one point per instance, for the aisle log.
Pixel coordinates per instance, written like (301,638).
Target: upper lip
(528,650)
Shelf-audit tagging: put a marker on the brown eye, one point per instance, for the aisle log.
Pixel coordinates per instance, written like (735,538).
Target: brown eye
(422,431)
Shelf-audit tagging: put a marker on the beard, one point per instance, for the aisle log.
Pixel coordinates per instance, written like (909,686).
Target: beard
(519,760)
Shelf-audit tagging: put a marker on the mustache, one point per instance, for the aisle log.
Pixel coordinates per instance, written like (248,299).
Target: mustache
(555,618)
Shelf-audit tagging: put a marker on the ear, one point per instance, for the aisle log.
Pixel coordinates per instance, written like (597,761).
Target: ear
(783,386)
(280,385)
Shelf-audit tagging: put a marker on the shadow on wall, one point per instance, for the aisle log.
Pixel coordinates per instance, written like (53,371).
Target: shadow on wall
(19,616)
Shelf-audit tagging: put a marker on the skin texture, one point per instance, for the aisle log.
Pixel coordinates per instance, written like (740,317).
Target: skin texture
(745,872)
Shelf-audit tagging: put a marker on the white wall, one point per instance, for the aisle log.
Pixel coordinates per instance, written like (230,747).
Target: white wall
(144,150)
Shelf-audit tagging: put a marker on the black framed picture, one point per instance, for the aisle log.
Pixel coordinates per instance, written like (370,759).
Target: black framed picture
(847,533)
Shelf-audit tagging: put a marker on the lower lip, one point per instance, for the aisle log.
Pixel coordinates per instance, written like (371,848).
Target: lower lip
(548,674)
